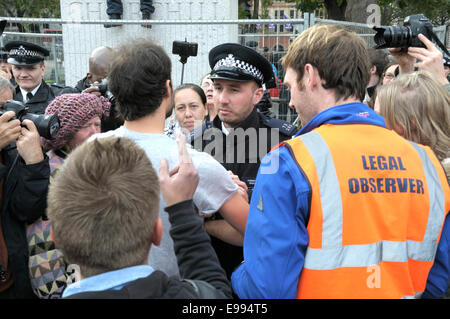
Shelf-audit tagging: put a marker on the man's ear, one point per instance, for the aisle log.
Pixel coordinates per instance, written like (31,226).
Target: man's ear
(43,69)
(157,232)
(311,77)
(169,88)
(257,95)
(89,77)
(373,70)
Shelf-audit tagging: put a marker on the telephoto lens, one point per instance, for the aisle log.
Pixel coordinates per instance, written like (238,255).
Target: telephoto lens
(392,37)
(405,36)
(47,125)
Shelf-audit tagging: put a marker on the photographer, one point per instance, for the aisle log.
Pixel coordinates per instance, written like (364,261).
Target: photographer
(24,173)
(99,60)
(80,116)
(428,59)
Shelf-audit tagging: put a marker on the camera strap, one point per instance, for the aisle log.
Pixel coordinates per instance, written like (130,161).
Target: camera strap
(439,43)
(12,166)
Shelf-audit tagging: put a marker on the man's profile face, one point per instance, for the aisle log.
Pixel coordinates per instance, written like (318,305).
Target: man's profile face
(5,95)
(235,100)
(5,66)
(97,74)
(447,70)
(28,77)
(299,96)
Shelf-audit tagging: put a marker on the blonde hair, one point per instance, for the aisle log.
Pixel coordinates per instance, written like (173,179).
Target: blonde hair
(340,56)
(417,107)
(103,205)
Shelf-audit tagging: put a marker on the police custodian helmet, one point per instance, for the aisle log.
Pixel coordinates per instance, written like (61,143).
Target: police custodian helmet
(232,61)
(25,53)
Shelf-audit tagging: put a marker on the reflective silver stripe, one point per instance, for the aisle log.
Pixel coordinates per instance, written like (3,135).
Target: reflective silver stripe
(333,255)
(330,193)
(417,295)
(435,193)
(371,254)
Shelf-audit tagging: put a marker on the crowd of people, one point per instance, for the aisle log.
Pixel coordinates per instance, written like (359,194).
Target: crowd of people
(146,190)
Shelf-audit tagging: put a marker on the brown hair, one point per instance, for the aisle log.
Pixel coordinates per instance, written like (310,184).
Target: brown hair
(340,56)
(137,78)
(379,59)
(103,205)
(418,108)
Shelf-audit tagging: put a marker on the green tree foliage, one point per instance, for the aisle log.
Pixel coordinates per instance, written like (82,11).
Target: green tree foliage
(392,11)
(29,9)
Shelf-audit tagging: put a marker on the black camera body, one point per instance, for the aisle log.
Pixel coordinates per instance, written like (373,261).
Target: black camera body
(405,36)
(47,125)
(114,120)
(103,89)
(184,48)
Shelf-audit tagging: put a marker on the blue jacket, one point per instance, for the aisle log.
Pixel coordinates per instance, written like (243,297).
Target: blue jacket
(276,237)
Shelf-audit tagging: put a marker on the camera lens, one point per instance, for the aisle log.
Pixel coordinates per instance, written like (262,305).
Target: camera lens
(53,125)
(401,37)
(392,37)
(47,125)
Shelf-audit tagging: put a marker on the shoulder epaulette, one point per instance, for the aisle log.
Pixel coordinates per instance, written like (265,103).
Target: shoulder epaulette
(59,86)
(285,127)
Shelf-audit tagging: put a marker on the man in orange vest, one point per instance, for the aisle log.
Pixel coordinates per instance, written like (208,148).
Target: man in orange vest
(347,208)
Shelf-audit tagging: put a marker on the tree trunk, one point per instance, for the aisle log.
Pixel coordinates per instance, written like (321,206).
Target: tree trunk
(255,9)
(335,12)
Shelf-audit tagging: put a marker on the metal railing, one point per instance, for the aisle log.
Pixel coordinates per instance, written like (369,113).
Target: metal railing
(270,37)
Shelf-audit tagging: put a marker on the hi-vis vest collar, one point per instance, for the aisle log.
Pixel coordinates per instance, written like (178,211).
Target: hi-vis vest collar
(342,196)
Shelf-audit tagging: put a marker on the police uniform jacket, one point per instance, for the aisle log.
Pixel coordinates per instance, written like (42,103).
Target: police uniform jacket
(246,168)
(231,256)
(44,95)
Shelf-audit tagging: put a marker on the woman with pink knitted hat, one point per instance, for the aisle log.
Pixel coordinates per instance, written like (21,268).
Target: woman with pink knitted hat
(79,116)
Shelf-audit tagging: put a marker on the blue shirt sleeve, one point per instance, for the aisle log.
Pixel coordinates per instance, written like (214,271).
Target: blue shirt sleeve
(438,278)
(276,238)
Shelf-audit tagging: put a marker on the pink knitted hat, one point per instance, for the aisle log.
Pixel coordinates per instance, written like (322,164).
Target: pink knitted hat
(74,110)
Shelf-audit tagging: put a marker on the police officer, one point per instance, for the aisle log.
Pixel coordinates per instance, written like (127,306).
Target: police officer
(239,75)
(240,136)
(28,68)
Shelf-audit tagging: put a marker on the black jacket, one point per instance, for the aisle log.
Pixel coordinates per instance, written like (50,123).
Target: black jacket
(78,88)
(198,264)
(108,123)
(44,95)
(246,167)
(24,200)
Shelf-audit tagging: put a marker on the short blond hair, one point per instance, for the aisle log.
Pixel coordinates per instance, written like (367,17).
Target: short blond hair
(418,107)
(103,205)
(340,56)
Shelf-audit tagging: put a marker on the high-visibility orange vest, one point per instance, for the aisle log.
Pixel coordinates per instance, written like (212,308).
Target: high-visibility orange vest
(377,209)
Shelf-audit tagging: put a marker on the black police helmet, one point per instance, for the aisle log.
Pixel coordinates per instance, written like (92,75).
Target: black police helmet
(25,53)
(232,61)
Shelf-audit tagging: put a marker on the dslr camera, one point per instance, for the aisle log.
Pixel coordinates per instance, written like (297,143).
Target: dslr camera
(103,89)
(405,36)
(47,125)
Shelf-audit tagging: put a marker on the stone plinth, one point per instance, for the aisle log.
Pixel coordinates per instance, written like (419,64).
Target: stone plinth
(80,39)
